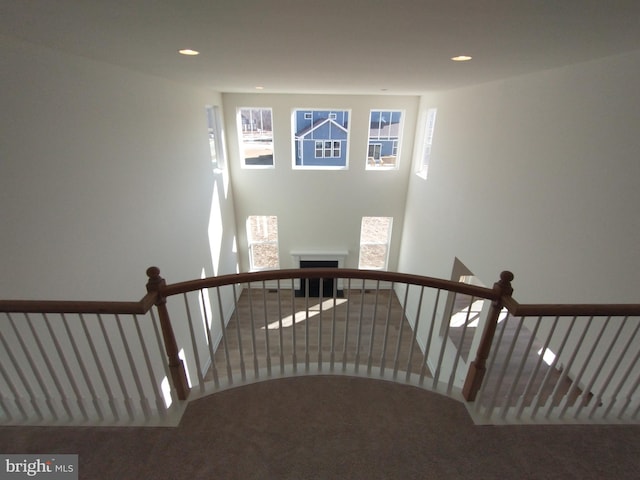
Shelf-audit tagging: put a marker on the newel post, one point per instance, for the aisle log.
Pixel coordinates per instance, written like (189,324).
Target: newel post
(176,367)
(477,368)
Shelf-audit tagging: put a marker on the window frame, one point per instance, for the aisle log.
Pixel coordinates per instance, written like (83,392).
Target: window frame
(312,119)
(386,243)
(251,243)
(429,125)
(216,138)
(394,141)
(241,138)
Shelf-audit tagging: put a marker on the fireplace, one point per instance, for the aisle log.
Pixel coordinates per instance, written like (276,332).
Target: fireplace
(311,286)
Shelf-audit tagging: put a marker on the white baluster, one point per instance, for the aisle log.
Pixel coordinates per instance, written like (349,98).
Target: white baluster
(534,374)
(142,397)
(373,328)
(266,327)
(101,372)
(427,346)
(256,371)
(194,341)
(584,398)
(128,401)
(34,369)
(563,377)
(387,322)
(525,356)
(67,369)
(243,371)
(223,329)
(155,385)
(415,335)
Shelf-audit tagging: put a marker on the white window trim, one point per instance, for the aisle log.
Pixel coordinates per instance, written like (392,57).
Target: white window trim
(386,243)
(240,130)
(426,145)
(251,243)
(332,115)
(252,264)
(396,139)
(214,123)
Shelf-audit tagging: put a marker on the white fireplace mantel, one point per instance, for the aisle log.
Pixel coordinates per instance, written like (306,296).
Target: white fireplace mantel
(319,255)
(311,255)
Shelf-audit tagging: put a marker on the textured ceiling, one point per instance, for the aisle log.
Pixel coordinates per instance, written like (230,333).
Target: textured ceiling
(344,46)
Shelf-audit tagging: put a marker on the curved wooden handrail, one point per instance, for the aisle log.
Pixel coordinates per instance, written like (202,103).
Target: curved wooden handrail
(500,296)
(89,307)
(344,273)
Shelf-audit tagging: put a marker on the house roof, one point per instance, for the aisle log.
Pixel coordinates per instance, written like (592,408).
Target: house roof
(388,130)
(306,131)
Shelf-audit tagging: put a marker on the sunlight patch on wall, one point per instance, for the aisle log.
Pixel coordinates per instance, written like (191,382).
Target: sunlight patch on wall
(205,307)
(215,230)
(234,249)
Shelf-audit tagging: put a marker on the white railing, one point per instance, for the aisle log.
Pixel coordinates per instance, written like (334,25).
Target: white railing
(121,363)
(83,363)
(368,327)
(550,366)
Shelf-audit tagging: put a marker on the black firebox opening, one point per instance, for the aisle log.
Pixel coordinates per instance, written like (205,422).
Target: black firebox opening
(312,285)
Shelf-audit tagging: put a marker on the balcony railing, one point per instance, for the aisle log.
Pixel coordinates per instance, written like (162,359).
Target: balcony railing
(123,363)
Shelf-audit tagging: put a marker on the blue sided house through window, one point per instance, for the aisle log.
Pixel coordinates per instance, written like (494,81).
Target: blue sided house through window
(320,139)
(385,133)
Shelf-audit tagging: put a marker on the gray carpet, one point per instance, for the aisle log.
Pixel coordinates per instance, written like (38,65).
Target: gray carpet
(336,427)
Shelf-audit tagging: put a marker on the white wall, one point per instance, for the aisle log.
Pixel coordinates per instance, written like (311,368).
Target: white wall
(320,210)
(538,175)
(103,173)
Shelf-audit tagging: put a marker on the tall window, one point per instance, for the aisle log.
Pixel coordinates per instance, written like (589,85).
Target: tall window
(375,238)
(385,130)
(262,236)
(255,129)
(215,136)
(320,138)
(429,127)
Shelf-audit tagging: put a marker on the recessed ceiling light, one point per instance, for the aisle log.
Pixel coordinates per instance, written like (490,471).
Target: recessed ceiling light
(188,51)
(259,87)
(461,58)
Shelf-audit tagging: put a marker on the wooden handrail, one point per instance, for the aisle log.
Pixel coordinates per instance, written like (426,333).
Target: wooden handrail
(343,273)
(570,310)
(500,296)
(87,307)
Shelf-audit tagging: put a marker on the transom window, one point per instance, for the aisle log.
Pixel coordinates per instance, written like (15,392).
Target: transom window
(375,238)
(255,129)
(262,238)
(385,131)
